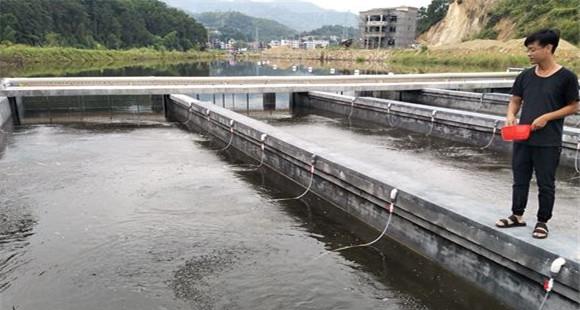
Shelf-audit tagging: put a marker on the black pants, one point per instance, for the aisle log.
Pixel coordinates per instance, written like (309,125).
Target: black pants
(544,161)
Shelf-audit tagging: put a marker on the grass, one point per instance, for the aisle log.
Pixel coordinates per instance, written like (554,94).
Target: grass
(23,55)
(426,58)
(485,59)
(360,59)
(480,59)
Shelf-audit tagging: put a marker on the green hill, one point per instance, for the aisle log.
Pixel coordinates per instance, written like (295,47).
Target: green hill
(237,26)
(296,14)
(531,15)
(333,30)
(112,24)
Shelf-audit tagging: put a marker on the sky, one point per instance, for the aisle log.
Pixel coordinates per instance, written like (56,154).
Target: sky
(362,5)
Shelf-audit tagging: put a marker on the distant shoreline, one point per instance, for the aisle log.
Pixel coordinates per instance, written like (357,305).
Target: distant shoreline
(493,59)
(21,55)
(29,60)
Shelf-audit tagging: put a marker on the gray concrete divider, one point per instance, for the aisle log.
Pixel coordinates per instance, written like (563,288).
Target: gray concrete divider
(452,124)
(488,103)
(507,267)
(5,111)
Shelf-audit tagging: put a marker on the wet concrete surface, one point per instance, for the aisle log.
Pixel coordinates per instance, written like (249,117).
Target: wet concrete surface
(478,180)
(147,216)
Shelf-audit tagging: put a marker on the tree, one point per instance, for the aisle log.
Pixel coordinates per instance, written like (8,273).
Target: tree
(97,23)
(7,24)
(431,15)
(170,41)
(113,41)
(53,39)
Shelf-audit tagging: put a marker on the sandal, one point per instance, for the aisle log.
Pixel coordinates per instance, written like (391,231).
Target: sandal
(511,221)
(540,231)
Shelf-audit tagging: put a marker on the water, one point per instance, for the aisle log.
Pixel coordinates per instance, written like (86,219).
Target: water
(150,217)
(209,68)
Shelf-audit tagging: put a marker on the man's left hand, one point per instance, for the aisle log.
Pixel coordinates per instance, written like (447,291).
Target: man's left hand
(539,122)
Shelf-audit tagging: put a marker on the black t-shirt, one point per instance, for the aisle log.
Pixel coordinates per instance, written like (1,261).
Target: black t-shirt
(544,95)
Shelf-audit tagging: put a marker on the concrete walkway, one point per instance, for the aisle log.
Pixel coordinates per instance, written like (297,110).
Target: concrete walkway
(479,182)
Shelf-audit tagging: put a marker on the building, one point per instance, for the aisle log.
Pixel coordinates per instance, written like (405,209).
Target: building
(231,44)
(388,27)
(313,44)
(274,43)
(290,43)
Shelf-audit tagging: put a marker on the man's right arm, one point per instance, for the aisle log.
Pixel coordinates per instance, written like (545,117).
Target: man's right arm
(513,109)
(515,104)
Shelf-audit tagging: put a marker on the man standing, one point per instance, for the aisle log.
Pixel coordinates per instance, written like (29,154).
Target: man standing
(546,93)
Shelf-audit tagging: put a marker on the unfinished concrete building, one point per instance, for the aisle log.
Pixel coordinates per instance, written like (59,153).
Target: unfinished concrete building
(388,27)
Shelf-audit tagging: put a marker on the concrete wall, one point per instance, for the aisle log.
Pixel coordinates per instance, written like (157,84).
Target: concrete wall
(5,112)
(6,123)
(489,103)
(506,267)
(452,124)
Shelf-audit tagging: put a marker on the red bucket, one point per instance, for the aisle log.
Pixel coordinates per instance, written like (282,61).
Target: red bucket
(516,132)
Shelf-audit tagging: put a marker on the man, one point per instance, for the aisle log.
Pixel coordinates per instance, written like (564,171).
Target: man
(546,93)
